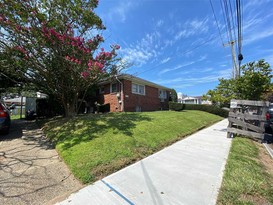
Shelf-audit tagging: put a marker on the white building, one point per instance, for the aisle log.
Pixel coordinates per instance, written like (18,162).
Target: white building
(197,100)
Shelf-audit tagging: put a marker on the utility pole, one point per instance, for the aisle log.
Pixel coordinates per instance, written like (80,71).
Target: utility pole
(235,69)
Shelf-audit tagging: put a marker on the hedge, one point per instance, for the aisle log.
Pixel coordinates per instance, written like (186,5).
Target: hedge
(206,108)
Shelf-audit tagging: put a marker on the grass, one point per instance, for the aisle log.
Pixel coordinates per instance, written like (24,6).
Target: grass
(245,178)
(94,146)
(15,117)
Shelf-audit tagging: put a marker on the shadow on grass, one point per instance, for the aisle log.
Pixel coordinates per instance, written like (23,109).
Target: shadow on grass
(85,128)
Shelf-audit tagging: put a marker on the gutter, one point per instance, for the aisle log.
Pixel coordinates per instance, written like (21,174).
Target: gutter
(121,94)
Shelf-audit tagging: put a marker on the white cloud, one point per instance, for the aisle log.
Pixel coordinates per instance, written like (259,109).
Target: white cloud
(159,23)
(183,65)
(176,67)
(193,27)
(136,56)
(258,35)
(121,10)
(147,49)
(165,60)
(184,81)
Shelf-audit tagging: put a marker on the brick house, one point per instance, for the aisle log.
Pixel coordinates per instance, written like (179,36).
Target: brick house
(127,93)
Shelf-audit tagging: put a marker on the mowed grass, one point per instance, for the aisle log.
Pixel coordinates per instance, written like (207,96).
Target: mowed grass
(15,117)
(246,180)
(94,146)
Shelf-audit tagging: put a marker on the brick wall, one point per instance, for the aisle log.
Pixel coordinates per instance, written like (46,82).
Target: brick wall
(111,98)
(148,102)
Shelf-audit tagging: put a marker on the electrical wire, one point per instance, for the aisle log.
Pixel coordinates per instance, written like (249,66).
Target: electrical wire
(185,52)
(216,22)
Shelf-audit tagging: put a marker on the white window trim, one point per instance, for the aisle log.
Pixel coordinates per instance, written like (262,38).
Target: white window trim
(163,97)
(137,93)
(111,91)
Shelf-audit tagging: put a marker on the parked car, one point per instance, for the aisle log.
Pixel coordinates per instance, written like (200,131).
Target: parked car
(4,119)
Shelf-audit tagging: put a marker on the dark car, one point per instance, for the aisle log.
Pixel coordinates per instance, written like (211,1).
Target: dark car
(4,119)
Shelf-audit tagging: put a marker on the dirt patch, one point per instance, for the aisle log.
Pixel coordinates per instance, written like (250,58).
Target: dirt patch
(254,199)
(265,159)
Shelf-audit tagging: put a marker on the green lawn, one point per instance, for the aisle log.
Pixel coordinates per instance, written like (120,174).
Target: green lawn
(15,117)
(94,146)
(245,179)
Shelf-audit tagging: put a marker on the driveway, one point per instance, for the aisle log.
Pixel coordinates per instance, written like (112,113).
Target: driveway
(30,170)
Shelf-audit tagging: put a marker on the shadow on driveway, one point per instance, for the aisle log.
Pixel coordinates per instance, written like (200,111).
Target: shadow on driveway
(30,169)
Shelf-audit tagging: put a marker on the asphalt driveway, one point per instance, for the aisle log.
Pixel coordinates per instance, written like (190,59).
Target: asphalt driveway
(30,170)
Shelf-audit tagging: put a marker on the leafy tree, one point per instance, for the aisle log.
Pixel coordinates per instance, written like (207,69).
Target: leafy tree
(173,95)
(54,45)
(268,95)
(223,93)
(254,82)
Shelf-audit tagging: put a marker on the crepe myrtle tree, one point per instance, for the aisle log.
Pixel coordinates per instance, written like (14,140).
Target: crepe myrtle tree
(55,45)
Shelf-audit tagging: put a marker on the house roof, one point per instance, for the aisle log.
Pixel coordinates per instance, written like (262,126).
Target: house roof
(136,80)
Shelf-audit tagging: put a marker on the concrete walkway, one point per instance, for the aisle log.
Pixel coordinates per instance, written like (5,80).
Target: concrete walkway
(188,172)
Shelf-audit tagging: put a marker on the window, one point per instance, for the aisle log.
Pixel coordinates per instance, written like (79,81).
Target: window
(114,87)
(138,89)
(101,90)
(162,94)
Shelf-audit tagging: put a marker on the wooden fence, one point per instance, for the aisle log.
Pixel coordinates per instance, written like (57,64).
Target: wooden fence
(247,118)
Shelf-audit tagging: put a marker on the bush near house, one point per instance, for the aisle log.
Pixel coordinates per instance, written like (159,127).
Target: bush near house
(176,106)
(206,108)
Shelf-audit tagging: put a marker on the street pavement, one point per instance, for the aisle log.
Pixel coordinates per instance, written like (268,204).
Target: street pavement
(187,172)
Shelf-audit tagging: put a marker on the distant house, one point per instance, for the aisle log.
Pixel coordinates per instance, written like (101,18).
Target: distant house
(197,100)
(127,93)
(192,100)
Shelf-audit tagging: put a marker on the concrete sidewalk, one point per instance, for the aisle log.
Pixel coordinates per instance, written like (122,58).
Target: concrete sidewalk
(188,172)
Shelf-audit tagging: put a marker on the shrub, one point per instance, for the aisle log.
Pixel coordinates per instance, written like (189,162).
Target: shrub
(206,108)
(176,106)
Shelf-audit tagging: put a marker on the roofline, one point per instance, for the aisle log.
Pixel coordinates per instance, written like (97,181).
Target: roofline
(137,80)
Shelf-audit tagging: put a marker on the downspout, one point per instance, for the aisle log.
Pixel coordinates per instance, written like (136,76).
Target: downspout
(121,94)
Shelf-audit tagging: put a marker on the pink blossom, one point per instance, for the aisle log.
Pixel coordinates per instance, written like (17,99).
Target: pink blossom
(85,74)
(99,65)
(102,49)
(21,49)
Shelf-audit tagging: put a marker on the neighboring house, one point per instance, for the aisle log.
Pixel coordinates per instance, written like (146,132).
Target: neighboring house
(192,100)
(127,93)
(197,100)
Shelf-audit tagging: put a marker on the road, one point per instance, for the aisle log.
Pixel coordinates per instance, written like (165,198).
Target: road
(31,171)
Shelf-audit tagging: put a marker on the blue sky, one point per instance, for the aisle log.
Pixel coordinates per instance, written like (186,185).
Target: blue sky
(176,43)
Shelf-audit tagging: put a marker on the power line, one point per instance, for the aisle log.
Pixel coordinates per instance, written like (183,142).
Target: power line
(233,22)
(239,24)
(216,22)
(187,51)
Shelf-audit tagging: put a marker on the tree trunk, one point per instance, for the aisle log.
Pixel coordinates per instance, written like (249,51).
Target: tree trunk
(70,108)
